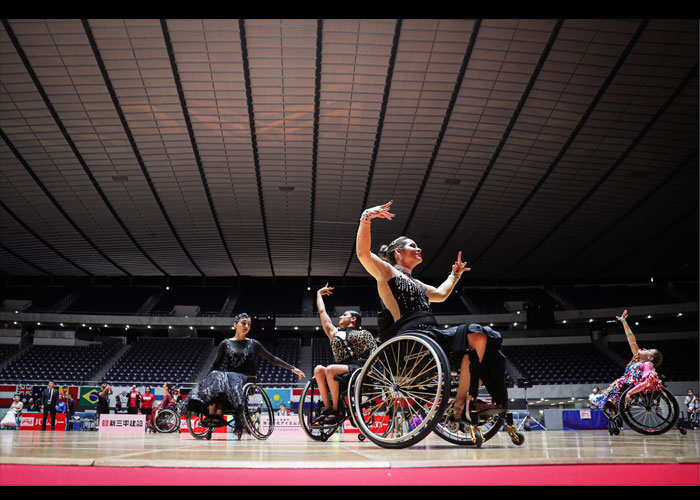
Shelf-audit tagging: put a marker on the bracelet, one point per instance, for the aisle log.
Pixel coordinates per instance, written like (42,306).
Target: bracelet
(452,273)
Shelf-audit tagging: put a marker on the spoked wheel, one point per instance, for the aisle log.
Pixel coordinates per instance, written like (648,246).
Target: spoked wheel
(651,412)
(167,421)
(402,391)
(310,408)
(258,415)
(197,431)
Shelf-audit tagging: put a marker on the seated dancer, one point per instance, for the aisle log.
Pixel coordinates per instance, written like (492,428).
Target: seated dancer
(408,302)
(351,347)
(640,372)
(223,386)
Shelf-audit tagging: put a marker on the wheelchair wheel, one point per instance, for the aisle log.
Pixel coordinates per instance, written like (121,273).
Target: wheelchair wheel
(258,415)
(459,432)
(651,412)
(198,431)
(167,421)
(310,408)
(402,391)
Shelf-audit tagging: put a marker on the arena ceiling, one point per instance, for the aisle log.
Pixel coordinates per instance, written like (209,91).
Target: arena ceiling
(542,149)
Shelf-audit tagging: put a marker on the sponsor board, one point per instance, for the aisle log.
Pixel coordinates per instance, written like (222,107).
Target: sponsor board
(32,421)
(122,423)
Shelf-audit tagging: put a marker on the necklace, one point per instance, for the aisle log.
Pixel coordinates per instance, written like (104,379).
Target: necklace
(404,270)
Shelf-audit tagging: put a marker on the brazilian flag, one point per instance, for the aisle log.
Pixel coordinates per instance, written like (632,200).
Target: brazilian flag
(89,396)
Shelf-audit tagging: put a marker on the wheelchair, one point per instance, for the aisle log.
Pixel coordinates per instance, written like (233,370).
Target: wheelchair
(167,420)
(649,413)
(257,414)
(311,406)
(406,390)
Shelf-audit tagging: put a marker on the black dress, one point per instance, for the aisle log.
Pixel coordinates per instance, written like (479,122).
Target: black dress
(232,368)
(416,314)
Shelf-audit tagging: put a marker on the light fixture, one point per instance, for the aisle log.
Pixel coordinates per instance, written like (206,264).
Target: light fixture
(515,324)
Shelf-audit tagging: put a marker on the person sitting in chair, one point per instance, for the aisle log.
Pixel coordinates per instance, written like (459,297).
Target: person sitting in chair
(350,346)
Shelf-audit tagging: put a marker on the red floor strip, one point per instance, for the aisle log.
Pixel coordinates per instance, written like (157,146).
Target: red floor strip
(526,475)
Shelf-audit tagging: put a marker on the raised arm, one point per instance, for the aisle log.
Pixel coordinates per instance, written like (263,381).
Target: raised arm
(442,292)
(363,243)
(326,322)
(631,340)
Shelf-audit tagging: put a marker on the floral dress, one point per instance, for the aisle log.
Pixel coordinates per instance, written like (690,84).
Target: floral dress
(636,372)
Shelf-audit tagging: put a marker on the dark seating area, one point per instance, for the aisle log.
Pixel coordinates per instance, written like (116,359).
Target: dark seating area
(321,353)
(286,349)
(159,360)
(111,300)
(493,300)
(680,357)
(593,297)
(562,363)
(7,351)
(68,364)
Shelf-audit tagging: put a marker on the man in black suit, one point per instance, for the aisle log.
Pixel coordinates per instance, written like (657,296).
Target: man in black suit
(49,400)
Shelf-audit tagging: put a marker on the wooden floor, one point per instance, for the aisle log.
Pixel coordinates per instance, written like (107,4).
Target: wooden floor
(342,451)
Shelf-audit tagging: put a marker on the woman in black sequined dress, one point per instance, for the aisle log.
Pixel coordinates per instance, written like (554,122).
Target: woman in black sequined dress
(408,302)
(234,363)
(350,346)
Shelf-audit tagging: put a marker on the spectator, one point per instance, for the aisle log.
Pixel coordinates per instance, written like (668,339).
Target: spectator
(283,411)
(133,401)
(70,404)
(13,415)
(103,404)
(32,406)
(691,403)
(61,407)
(49,401)
(147,401)
(593,397)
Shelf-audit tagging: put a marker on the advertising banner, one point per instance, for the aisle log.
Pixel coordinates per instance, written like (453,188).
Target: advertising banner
(122,423)
(32,421)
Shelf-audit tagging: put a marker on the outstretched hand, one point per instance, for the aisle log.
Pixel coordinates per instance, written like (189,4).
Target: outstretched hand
(299,373)
(380,211)
(326,290)
(623,317)
(459,267)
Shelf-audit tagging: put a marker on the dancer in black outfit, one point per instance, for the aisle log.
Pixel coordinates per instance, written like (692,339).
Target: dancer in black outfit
(234,363)
(407,303)
(351,347)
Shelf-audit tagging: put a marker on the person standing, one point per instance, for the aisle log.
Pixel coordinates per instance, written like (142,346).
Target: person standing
(103,403)
(49,401)
(133,401)
(147,401)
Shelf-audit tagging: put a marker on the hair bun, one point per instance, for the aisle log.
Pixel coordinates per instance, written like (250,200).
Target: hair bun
(384,252)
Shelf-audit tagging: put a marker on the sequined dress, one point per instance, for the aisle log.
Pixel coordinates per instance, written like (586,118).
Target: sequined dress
(416,314)
(636,372)
(234,364)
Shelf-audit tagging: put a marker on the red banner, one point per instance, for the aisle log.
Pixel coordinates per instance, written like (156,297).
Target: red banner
(32,421)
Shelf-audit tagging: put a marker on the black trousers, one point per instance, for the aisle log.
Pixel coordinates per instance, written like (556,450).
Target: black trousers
(52,411)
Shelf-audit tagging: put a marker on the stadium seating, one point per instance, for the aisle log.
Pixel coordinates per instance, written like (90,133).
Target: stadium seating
(562,363)
(68,364)
(159,360)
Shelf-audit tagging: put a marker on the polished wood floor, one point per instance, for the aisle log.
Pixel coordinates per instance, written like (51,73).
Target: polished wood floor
(341,451)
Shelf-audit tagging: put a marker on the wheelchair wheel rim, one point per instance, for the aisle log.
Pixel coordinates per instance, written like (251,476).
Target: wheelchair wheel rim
(258,414)
(650,413)
(458,433)
(400,392)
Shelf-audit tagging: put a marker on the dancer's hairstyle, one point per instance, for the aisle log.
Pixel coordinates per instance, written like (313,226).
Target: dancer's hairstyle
(358,318)
(386,252)
(240,316)
(656,357)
